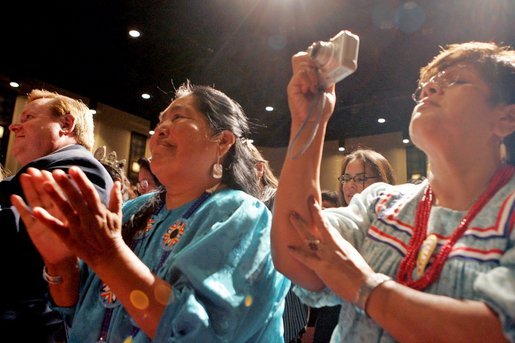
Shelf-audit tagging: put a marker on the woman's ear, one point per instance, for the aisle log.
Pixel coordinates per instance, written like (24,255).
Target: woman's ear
(505,124)
(67,124)
(226,140)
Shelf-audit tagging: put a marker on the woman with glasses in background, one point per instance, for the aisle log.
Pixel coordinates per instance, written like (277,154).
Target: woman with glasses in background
(360,169)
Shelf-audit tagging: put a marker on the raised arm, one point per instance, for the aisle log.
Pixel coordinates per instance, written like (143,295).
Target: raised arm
(300,175)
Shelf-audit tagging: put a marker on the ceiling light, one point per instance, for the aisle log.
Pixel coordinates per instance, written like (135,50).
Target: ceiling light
(135,167)
(341,144)
(14,84)
(269,108)
(381,120)
(145,96)
(405,141)
(134,33)
(151,132)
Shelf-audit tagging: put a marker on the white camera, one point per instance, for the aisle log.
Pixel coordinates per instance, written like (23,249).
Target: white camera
(335,59)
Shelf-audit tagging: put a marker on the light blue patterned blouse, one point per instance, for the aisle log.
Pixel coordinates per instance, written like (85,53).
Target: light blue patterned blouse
(481,265)
(225,287)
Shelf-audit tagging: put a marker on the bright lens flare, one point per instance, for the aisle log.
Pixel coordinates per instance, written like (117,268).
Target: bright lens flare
(248,300)
(139,299)
(162,294)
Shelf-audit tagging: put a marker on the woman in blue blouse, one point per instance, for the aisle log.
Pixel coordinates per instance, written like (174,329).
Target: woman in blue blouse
(191,263)
(431,262)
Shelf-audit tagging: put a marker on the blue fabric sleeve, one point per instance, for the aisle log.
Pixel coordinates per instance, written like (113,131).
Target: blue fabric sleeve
(225,286)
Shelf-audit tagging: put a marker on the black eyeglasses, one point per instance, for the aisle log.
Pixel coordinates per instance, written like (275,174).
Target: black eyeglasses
(358,178)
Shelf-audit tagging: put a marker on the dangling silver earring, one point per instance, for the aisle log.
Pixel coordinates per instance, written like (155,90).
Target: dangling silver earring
(503,153)
(218,170)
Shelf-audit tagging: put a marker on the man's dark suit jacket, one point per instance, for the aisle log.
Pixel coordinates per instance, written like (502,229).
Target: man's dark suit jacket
(24,295)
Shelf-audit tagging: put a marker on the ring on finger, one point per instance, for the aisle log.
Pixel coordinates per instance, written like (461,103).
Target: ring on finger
(313,244)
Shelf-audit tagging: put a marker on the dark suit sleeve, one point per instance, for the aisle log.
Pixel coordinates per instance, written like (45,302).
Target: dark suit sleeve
(19,259)
(75,156)
(95,172)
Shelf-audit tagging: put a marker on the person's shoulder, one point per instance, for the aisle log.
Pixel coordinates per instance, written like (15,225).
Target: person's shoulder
(78,156)
(379,188)
(231,200)
(385,192)
(235,208)
(74,154)
(235,196)
(76,150)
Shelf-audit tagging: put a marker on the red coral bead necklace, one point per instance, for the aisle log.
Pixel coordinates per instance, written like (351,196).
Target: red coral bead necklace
(408,263)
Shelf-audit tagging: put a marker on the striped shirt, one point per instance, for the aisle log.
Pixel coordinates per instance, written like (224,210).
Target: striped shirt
(379,223)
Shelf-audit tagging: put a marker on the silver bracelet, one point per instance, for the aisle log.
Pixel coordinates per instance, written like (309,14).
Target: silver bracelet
(52,280)
(366,288)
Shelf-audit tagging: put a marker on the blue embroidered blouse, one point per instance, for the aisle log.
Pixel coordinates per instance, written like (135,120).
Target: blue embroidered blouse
(225,287)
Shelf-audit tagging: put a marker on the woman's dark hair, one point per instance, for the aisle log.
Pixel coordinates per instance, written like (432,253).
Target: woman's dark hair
(222,114)
(372,159)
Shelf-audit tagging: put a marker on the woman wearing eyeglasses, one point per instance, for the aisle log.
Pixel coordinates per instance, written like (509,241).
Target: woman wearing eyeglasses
(428,262)
(360,169)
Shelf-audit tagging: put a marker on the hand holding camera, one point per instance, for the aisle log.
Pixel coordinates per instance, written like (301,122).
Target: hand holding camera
(335,59)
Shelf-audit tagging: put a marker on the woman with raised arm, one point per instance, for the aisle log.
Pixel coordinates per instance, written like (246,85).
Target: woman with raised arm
(189,263)
(433,261)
